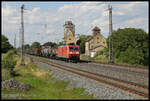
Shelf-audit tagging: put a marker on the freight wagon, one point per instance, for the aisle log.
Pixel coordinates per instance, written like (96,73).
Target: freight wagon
(64,52)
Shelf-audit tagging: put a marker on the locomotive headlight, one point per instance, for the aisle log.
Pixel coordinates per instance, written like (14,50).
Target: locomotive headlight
(77,52)
(70,52)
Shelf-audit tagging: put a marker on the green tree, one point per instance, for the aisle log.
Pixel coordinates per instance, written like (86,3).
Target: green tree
(27,46)
(35,45)
(59,44)
(81,42)
(5,44)
(52,44)
(131,46)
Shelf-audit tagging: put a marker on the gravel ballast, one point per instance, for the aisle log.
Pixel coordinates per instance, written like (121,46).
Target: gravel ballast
(92,87)
(116,72)
(15,85)
(98,90)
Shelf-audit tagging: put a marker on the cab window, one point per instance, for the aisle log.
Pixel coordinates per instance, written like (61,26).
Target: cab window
(73,48)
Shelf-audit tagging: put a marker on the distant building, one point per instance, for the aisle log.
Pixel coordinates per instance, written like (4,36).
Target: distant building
(69,32)
(95,43)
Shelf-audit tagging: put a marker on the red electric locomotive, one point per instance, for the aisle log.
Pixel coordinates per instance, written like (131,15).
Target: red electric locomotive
(69,52)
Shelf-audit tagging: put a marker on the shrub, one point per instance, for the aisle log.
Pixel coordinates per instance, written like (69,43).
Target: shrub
(8,62)
(11,52)
(5,74)
(102,52)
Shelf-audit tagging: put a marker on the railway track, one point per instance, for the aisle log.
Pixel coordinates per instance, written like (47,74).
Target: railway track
(142,68)
(120,69)
(134,88)
(127,74)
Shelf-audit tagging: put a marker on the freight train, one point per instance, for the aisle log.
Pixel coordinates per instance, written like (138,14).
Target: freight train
(63,52)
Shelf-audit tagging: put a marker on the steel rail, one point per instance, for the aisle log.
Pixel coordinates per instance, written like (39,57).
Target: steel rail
(117,69)
(92,76)
(121,65)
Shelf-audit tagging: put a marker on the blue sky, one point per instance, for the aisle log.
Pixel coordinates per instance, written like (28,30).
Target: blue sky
(85,16)
(42,5)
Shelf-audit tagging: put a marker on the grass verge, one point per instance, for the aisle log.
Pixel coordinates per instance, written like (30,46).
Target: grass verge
(104,59)
(44,86)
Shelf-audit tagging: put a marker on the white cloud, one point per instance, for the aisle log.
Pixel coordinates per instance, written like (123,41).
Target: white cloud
(8,11)
(34,16)
(50,30)
(85,16)
(14,20)
(136,22)
(118,13)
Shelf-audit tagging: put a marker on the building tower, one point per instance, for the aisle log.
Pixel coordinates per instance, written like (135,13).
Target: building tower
(96,31)
(69,32)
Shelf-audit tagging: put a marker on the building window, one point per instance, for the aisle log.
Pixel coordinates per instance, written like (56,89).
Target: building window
(69,38)
(97,39)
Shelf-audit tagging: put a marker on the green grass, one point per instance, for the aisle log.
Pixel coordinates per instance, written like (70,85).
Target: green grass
(5,74)
(127,64)
(104,59)
(3,54)
(83,57)
(43,84)
(101,58)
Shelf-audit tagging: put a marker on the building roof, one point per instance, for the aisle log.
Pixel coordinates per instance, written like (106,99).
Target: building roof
(68,23)
(96,28)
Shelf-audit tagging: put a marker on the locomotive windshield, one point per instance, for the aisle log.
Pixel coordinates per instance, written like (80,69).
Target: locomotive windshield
(73,48)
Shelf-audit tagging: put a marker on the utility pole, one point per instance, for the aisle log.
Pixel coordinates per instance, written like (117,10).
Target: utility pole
(110,36)
(15,41)
(22,39)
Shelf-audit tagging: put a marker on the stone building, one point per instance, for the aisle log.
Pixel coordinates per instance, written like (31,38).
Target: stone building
(95,43)
(69,32)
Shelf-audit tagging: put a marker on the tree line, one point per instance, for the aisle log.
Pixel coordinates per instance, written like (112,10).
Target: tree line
(131,45)
(38,45)
(5,44)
